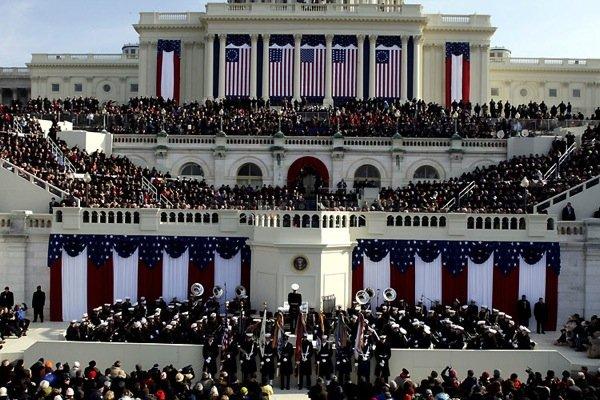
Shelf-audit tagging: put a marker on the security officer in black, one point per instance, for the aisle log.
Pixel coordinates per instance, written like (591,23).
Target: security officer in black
(344,363)
(210,352)
(383,353)
(305,363)
(295,301)
(267,362)
(324,359)
(363,361)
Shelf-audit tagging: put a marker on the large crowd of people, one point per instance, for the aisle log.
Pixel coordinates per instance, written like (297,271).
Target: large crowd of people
(235,336)
(256,117)
(101,180)
(76,381)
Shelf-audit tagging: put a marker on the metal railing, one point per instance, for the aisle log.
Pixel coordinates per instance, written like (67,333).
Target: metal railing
(466,190)
(541,206)
(60,156)
(147,185)
(561,159)
(10,167)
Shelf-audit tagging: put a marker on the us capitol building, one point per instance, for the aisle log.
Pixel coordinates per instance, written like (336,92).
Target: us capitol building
(204,36)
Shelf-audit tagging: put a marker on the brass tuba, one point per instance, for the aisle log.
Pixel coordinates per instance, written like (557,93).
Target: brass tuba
(240,291)
(197,289)
(389,294)
(362,297)
(218,292)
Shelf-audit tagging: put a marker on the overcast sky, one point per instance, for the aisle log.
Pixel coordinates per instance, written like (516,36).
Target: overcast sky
(530,28)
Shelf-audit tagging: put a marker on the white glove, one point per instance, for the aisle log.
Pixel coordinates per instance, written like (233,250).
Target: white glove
(356,364)
(285,359)
(208,359)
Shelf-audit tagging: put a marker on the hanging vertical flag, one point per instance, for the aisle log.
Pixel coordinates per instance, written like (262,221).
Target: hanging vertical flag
(388,61)
(237,66)
(300,331)
(343,69)
(168,58)
(312,66)
(281,65)
(458,71)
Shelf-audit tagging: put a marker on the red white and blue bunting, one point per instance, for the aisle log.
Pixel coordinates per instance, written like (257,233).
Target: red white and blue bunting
(494,274)
(90,270)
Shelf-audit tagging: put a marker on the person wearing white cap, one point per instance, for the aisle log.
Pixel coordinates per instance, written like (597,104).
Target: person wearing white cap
(286,363)
(295,301)
(267,362)
(324,359)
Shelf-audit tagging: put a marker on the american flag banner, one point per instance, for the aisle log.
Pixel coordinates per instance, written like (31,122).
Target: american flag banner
(312,66)
(458,71)
(237,66)
(388,60)
(281,65)
(168,59)
(344,59)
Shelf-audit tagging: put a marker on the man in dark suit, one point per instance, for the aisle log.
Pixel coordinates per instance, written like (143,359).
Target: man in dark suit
(540,312)
(294,300)
(38,302)
(568,213)
(7,299)
(524,311)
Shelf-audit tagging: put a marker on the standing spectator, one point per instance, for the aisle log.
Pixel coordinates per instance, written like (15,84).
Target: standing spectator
(540,312)
(38,302)
(7,299)
(524,311)
(568,213)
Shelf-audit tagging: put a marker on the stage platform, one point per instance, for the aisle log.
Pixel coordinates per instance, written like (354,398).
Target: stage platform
(47,340)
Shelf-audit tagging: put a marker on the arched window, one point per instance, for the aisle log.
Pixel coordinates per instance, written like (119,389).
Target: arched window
(191,169)
(426,172)
(367,176)
(249,174)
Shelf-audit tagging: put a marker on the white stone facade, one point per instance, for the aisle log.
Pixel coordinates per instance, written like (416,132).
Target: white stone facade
(494,73)
(396,160)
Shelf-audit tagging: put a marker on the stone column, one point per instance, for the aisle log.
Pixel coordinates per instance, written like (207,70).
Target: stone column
(253,66)
(297,42)
(15,95)
(485,77)
(417,46)
(265,70)
(372,65)
(360,40)
(208,66)
(328,100)
(222,44)
(404,69)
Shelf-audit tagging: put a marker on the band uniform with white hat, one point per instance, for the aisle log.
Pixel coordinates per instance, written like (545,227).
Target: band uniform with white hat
(294,300)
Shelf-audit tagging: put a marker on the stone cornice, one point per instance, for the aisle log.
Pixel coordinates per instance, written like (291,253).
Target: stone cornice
(177,27)
(543,68)
(83,65)
(313,18)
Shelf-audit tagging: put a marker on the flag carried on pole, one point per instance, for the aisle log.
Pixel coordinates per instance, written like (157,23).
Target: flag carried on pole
(300,331)
(458,72)
(360,333)
(279,334)
(344,58)
(312,66)
(281,65)
(388,61)
(168,59)
(237,66)
(262,340)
